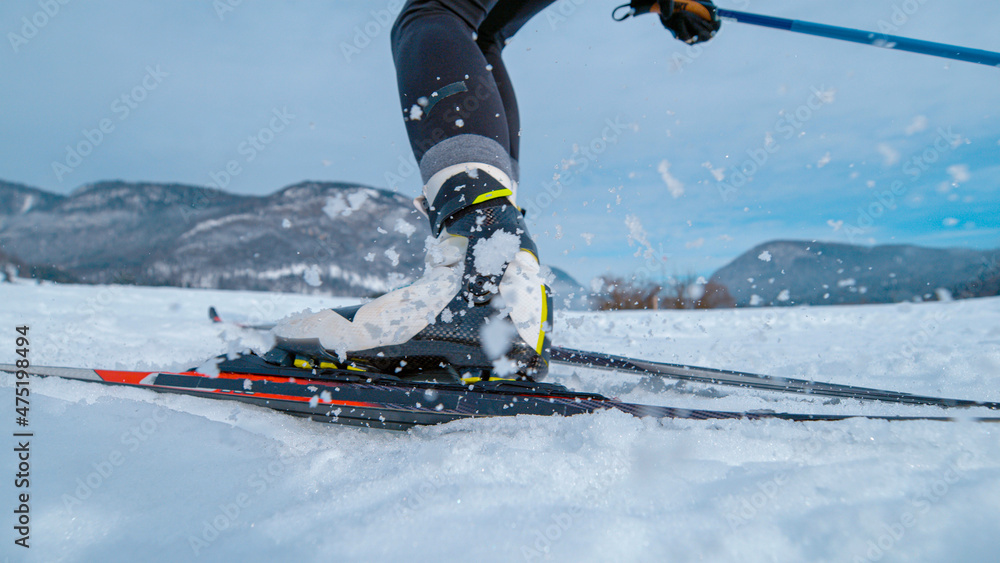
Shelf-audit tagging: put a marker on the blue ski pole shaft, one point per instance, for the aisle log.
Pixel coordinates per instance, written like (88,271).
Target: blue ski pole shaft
(867,37)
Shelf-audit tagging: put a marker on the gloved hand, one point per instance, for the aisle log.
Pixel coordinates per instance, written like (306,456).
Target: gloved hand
(691,21)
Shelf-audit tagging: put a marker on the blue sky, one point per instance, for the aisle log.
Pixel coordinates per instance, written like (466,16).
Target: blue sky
(865,165)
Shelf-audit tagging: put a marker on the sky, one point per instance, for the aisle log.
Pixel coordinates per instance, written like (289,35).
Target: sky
(671,160)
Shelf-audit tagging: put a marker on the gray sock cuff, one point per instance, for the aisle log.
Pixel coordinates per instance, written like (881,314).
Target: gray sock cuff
(466,148)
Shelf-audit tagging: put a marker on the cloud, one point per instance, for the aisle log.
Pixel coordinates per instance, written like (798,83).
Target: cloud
(890,155)
(918,124)
(959,173)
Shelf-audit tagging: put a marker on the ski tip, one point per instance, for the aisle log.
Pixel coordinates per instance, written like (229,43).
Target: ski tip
(214,315)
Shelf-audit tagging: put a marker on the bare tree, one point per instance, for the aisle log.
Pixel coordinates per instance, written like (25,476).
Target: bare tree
(693,292)
(628,294)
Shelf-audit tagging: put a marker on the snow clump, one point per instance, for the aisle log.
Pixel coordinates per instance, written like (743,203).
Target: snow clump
(674,186)
(491,254)
(405,228)
(312,276)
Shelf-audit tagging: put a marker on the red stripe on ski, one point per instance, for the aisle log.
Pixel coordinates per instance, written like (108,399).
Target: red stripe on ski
(136,377)
(130,377)
(294,398)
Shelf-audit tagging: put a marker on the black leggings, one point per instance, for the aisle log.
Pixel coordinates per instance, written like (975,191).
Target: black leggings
(452,80)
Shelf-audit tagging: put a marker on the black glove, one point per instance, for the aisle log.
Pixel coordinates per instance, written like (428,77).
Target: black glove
(691,21)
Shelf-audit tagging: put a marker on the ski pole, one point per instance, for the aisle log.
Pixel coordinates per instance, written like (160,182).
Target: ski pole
(867,37)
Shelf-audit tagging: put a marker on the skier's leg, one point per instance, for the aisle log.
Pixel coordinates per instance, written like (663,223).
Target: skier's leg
(503,21)
(451,105)
(482,303)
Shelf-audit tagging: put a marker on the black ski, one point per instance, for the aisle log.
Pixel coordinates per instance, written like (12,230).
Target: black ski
(380,401)
(611,362)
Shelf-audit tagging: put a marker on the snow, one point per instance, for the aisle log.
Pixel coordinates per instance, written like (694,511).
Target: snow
(124,474)
(496,336)
(637,235)
(29,202)
(216,223)
(392,255)
(674,186)
(374,283)
(491,254)
(312,276)
(341,205)
(404,227)
(718,173)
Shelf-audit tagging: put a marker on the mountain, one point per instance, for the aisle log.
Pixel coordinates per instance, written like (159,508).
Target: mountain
(17,199)
(819,273)
(312,237)
(569,293)
(306,238)
(10,267)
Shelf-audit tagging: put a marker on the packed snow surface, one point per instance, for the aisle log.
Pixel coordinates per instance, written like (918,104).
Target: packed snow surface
(129,475)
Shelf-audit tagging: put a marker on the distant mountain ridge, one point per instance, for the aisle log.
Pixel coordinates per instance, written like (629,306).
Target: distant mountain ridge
(788,272)
(174,234)
(18,198)
(311,237)
(353,240)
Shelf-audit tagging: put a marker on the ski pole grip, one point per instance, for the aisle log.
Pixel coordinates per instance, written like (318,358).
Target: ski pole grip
(695,8)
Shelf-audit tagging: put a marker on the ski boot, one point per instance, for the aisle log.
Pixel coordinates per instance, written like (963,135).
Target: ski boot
(481,310)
